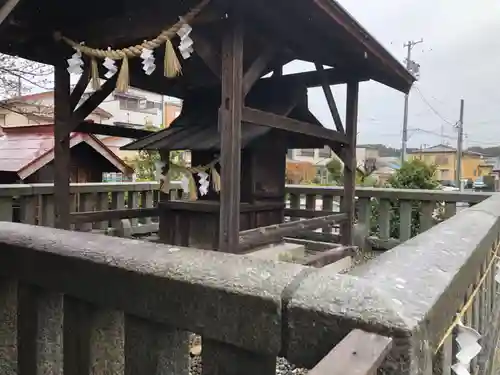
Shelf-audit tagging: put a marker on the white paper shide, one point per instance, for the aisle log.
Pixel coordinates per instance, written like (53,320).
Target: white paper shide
(75,63)
(148,61)
(186,44)
(467,339)
(204,183)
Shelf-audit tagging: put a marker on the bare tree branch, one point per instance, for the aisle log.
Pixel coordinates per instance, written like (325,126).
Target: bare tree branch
(19,76)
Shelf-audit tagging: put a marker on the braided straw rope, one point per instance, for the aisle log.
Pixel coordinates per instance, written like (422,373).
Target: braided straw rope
(136,50)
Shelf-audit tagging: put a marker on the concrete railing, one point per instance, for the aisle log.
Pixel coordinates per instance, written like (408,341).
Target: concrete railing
(388,216)
(119,306)
(95,206)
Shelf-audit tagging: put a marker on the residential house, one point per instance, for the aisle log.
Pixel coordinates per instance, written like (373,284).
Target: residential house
(315,156)
(139,108)
(27,155)
(366,154)
(136,108)
(38,109)
(385,168)
(319,158)
(445,159)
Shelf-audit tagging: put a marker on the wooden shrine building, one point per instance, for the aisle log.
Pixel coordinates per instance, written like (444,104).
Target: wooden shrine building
(231,114)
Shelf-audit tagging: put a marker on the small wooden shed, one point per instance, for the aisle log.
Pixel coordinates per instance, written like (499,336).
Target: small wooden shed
(27,155)
(232,45)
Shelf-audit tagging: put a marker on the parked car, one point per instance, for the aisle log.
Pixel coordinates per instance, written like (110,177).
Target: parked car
(449,186)
(479,184)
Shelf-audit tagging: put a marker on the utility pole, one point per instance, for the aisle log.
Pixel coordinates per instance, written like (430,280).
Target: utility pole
(460,126)
(414,68)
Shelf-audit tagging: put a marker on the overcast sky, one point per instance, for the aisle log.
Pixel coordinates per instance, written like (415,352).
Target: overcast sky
(460,58)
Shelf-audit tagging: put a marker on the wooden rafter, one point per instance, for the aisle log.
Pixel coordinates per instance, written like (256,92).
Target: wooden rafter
(259,117)
(329,98)
(93,102)
(314,79)
(7,9)
(112,130)
(255,71)
(80,87)
(208,53)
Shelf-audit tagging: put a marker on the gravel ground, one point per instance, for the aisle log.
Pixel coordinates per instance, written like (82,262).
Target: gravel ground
(282,365)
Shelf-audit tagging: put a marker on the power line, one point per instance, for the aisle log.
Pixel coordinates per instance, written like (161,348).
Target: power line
(434,110)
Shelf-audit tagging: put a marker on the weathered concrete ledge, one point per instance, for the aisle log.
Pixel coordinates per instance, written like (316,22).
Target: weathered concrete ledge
(409,293)
(225,297)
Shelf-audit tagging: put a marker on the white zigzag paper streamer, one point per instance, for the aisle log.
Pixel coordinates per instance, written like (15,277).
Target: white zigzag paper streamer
(204,183)
(186,45)
(467,339)
(75,63)
(148,61)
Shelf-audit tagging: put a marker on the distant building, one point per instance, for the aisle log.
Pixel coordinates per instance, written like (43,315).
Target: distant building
(27,155)
(38,109)
(385,167)
(136,108)
(445,159)
(315,156)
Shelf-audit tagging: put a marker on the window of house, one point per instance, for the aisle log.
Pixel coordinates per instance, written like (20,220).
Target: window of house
(138,104)
(441,160)
(309,152)
(325,152)
(152,105)
(130,104)
(2,119)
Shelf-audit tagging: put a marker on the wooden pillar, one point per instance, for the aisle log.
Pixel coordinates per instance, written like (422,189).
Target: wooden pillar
(230,133)
(350,162)
(61,146)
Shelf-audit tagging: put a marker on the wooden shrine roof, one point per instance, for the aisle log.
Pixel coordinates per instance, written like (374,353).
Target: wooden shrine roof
(310,30)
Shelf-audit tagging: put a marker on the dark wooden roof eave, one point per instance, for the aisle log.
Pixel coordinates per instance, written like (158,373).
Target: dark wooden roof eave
(397,76)
(22,34)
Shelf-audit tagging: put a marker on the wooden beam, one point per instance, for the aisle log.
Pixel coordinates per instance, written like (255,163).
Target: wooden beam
(272,120)
(315,79)
(80,87)
(273,233)
(112,130)
(208,53)
(62,162)
(230,133)
(130,213)
(255,71)
(359,353)
(278,72)
(7,9)
(324,258)
(347,204)
(93,101)
(329,98)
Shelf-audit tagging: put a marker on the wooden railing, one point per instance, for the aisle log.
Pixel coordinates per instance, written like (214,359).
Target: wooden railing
(88,303)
